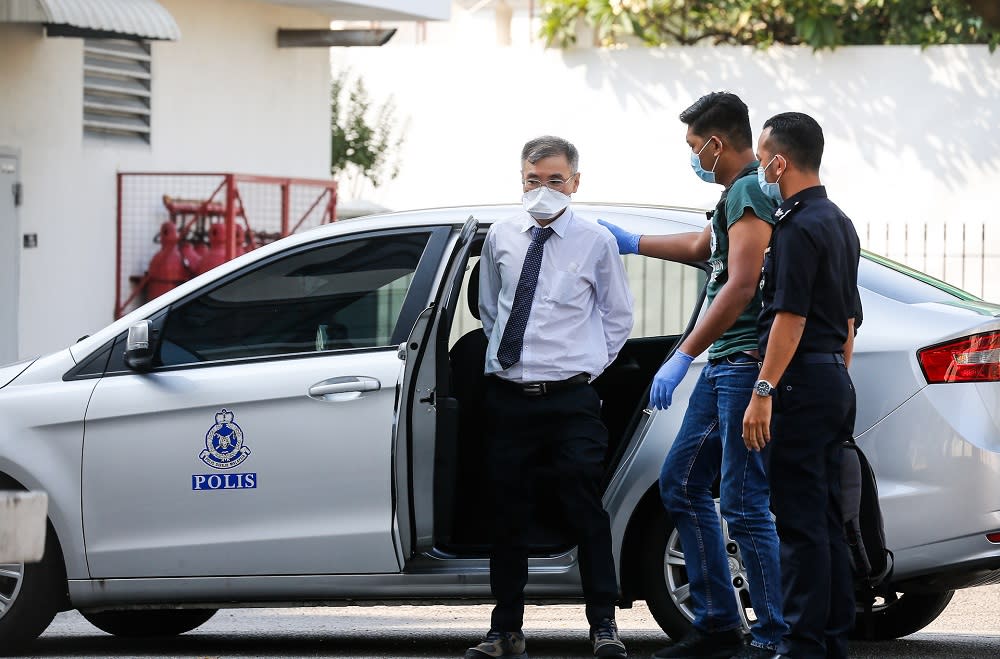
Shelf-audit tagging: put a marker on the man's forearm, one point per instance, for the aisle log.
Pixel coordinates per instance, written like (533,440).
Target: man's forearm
(783,341)
(683,247)
(722,313)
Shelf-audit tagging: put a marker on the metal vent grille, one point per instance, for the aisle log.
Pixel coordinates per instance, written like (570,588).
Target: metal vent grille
(117,83)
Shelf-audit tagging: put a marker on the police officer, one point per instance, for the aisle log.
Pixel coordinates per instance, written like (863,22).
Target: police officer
(804,401)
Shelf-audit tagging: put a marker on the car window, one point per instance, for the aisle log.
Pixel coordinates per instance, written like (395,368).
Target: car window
(895,280)
(665,297)
(339,296)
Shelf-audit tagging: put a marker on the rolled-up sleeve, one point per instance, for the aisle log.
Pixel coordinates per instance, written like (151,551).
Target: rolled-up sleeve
(614,298)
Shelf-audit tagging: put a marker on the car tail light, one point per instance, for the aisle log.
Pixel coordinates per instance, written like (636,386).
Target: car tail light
(969,359)
(993,537)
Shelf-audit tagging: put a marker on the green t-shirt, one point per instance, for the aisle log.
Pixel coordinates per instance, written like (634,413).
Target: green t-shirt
(745,193)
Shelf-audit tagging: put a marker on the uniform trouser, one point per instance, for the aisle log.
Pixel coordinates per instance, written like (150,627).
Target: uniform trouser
(710,441)
(813,413)
(564,429)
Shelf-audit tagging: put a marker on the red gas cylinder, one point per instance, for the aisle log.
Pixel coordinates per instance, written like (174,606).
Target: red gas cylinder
(241,237)
(191,255)
(216,254)
(166,269)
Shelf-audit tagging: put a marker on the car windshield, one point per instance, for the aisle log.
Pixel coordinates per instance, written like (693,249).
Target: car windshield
(895,280)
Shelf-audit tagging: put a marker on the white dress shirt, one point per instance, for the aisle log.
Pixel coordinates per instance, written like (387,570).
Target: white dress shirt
(582,311)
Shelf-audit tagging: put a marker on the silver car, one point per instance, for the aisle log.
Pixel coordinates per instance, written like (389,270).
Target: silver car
(303,426)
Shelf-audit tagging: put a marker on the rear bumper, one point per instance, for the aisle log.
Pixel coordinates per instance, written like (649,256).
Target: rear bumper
(937,459)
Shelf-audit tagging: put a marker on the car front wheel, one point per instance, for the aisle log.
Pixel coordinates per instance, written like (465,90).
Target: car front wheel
(148,623)
(30,596)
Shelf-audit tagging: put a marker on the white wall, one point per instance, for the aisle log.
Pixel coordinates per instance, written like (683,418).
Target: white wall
(225,98)
(911,134)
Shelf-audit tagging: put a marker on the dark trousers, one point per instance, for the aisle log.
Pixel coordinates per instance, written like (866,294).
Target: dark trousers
(813,414)
(563,427)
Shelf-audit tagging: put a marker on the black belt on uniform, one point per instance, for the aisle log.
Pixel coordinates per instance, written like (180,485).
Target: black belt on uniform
(818,358)
(542,388)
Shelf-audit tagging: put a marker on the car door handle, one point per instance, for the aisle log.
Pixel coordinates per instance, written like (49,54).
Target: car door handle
(343,385)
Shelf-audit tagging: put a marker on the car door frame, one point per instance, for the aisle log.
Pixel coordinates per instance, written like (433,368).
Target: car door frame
(425,411)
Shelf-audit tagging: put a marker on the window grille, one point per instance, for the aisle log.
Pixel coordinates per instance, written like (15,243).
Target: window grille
(117,82)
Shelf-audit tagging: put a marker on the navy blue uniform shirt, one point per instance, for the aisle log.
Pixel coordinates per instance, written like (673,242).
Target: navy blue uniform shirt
(811,270)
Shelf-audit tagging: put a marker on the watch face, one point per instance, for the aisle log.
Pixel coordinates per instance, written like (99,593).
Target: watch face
(762,388)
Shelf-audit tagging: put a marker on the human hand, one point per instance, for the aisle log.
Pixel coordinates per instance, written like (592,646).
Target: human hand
(628,243)
(667,379)
(757,423)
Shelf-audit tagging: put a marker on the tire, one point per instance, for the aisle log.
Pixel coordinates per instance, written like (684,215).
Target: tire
(665,577)
(30,595)
(148,623)
(906,614)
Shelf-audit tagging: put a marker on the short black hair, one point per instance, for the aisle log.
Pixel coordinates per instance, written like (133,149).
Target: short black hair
(797,136)
(721,112)
(547,146)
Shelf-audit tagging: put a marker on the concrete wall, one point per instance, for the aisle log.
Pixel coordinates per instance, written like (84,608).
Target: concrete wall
(225,98)
(911,134)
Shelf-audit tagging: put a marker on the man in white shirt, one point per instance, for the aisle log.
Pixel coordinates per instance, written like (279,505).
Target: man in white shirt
(556,306)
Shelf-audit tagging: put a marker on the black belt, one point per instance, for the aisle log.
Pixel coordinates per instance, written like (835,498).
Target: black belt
(542,388)
(818,358)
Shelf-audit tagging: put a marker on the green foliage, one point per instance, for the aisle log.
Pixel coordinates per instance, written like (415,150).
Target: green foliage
(817,23)
(364,137)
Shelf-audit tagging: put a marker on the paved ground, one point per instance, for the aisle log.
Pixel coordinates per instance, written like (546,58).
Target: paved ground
(968,629)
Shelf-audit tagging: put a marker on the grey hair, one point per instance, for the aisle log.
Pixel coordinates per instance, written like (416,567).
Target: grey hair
(547,146)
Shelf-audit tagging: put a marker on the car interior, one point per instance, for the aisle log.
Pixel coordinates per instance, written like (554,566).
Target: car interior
(462,519)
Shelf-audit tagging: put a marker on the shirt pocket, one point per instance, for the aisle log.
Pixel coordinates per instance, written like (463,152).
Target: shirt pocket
(566,286)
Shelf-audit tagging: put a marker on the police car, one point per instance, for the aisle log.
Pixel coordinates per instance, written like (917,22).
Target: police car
(302,425)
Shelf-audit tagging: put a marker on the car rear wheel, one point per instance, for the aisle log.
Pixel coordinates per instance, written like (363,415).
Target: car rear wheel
(900,614)
(669,595)
(148,623)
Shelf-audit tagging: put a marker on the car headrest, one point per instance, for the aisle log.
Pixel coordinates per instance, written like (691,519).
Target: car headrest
(473,296)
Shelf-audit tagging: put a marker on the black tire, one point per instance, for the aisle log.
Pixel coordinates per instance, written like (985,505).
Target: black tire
(666,577)
(665,610)
(149,623)
(907,614)
(36,592)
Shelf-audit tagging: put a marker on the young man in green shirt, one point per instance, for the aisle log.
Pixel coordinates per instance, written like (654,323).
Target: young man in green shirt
(710,438)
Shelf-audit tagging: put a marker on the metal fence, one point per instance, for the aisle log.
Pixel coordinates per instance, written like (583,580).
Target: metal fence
(255,210)
(966,255)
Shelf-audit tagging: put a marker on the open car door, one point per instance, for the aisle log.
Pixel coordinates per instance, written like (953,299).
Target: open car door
(427,416)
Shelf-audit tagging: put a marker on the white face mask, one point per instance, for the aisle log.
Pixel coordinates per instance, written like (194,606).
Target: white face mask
(544,203)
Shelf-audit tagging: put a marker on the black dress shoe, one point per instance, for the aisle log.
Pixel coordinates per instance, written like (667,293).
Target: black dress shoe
(701,645)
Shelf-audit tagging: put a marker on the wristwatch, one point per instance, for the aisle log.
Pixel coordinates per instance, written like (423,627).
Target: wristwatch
(763,388)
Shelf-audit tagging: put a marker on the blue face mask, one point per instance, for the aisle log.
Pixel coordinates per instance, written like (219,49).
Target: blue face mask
(772,190)
(706,176)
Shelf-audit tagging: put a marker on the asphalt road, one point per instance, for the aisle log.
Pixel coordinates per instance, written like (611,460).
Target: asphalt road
(968,629)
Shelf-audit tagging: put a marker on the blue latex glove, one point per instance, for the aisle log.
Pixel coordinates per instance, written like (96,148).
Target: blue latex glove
(628,243)
(667,379)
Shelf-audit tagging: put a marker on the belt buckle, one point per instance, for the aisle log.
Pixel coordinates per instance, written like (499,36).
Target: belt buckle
(534,389)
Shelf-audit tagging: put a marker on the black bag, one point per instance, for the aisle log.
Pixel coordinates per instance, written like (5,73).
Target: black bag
(871,560)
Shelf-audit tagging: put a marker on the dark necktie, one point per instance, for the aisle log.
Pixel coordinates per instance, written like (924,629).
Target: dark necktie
(509,352)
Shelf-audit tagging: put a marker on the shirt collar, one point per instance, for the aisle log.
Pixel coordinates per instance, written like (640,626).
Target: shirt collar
(560,226)
(815,192)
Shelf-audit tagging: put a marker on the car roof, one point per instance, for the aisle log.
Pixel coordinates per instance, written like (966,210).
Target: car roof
(694,217)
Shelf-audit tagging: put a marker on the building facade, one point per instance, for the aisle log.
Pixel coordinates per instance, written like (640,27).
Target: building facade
(141,85)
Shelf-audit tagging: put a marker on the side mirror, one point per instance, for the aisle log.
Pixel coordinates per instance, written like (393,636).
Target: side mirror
(139,347)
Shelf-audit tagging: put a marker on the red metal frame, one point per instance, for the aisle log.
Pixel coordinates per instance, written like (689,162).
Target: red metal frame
(231,208)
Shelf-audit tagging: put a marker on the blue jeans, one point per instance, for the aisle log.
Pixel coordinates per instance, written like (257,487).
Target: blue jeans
(710,438)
